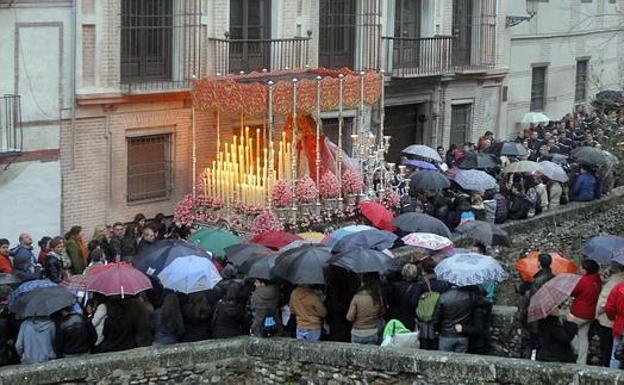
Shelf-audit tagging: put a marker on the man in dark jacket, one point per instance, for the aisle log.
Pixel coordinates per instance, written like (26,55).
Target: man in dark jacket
(586,186)
(454,309)
(24,262)
(227,319)
(555,336)
(74,334)
(116,241)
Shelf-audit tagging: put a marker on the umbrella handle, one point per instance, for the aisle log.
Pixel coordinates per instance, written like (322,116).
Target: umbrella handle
(122,292)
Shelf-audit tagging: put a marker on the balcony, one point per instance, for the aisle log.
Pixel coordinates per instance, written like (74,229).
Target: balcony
(247,55)
(11,136)
(418,57)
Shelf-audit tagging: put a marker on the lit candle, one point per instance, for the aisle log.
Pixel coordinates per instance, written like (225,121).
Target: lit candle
(257,142)
(288,171)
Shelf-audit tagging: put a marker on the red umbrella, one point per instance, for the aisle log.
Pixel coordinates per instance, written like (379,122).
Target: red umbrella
(275,239)
(118,279)
(76,282)
(378,215)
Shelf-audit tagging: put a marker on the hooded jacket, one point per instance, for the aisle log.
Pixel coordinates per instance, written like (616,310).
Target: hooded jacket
(264,302)
(74,335)
(35,340)
(227,319)
(24,263)
(54,267)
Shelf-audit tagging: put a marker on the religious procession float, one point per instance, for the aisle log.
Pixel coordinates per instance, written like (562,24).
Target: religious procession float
(283,172)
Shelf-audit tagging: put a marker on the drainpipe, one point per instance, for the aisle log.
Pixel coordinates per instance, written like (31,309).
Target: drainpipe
(108,135)
(73,84)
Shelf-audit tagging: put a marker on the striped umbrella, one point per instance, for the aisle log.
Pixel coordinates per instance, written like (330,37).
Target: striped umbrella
(552,294)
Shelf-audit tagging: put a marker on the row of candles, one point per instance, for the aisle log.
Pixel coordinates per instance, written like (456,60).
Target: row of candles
(241,171)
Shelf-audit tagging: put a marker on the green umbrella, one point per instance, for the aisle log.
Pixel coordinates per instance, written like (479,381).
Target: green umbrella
(214,240)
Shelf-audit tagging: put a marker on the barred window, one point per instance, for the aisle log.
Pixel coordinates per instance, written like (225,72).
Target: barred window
(149,167)
(461,116)
(538,89)
(580,89)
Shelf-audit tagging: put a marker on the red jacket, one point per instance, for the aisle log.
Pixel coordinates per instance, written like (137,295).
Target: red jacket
(585,296)
(5,264)
(615,308)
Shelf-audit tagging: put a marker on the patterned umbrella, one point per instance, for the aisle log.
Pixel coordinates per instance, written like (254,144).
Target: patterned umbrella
(523,166)
(507,149)
(368,239)
(239,254)
(475,180)
(421,223)
(553,171)
(378,215)
(589,155)
(478,160)
(27,287)
(528,266)
(423,152)
(469,269)
(602,248)
(275,239)
(427,241)
(552,294)
(119,279)
(428,181)
(485,233)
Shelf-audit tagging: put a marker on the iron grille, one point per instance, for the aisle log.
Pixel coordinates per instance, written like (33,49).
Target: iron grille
(11,135)
(160,44)
(337,33)
(538,89)
(460,123)
(149,167)
(580,89)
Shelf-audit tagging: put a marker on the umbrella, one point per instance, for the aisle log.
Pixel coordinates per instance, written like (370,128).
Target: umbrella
(529,265)
(555,158)
(76,282)
(428,181)
(591,156)
(304,265)
(478,161)
(523,166)
(43,301)
(259,267)
(610,159)
(421,223)
(534,117)
(452,172)
(419,164)
(485,233)
(275,239)
(189,275)
(427,241)
(295,244)
(423,152)
(553,171)
(552,294)
(475,180)
(119,279)
(8,279)
(312,236)
(507,149)
(239,254)
(377,214)
(154,258)
(214,240)
(27,287)
(466,269)
(360,260)
(337,235)
(368,239)
(602,248)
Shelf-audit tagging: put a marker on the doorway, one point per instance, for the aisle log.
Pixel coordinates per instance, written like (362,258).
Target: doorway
(462,31)
(406,125)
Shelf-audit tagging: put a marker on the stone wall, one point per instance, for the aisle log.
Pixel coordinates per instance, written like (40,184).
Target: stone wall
(285,361)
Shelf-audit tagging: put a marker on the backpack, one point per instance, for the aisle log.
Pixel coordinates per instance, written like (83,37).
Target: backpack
(427,304)
(269,326)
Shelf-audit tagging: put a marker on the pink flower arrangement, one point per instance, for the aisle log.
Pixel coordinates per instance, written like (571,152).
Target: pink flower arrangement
(330,188)
(391,200)
(281,195)
(185,210)
(266,222)
(305,190)
(351,182)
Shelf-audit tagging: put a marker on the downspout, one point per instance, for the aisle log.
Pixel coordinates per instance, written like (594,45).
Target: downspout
(73,84)
(109,167)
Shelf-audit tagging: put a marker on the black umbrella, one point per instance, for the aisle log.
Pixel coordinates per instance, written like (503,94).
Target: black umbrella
(43,302)
(560,159)
(507,149)
(474,160)
(485,233)
(360,260)
(428,181)
(259,266)
(239,254)
(303,265)
(369,239)
(591,156)
(421,223)
(152,259)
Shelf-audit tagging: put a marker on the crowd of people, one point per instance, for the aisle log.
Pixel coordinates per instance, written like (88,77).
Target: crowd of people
(349,307)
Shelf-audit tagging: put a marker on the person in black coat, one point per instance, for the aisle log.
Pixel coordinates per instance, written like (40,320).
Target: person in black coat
(428,338)
(75,335)
(478,330)
(401,299)
(118,334)
(227,318)
(340,290)
(197,313)
(54,264)
(555,336)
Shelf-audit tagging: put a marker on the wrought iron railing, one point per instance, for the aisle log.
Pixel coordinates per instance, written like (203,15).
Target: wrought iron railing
(235,55)
(414,57)
(11,135)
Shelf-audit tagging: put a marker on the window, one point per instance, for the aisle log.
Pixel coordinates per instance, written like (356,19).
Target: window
(460,123)
(580,90)
(146,40)
(337,33)
(250,21)
(538,88)
(149,167)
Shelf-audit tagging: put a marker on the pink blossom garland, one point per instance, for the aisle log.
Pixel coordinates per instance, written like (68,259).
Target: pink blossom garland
(305,190)
(266,222)
(330,188)
(281,196)
(351,182)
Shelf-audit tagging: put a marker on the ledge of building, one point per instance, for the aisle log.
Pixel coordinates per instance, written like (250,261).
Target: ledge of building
(91,99)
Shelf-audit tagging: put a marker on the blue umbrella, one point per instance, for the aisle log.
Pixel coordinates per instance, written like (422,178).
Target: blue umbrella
(190,274)
(475,180)
(602,248)
(154,258)
(340,233)
(467,269)
(368,239)
(419,164)
(27,287)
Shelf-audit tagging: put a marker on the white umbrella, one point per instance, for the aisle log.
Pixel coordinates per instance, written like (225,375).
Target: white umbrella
(553,171)
(535,117)
(523,166)
(190,274)
(466,269)
(422,151)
